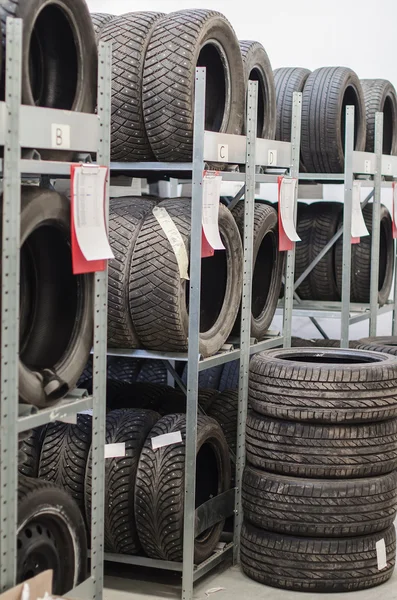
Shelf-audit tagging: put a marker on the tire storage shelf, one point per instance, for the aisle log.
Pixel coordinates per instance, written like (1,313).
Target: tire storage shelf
(32,127)
(208,149)
(375,171)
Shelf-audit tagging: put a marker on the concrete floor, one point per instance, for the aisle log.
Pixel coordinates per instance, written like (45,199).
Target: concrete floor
(130,583)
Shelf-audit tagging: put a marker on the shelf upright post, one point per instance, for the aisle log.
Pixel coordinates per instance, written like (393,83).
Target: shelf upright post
(290,262)
(347,227)
(394,320)
(246,301)
(375,233)
(10,307)
(100,344)
(194,336)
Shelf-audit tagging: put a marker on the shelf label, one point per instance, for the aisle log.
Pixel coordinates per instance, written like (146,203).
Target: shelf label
(167,439)
(271,158)
(115,450)
(394,211)
(212,181)
(286,213)
(175,239)
(223,152)
(60,136)
(359,228)
(381,554)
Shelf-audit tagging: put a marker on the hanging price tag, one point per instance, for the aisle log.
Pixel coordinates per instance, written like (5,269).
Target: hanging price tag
(359,228)
(90,244)
(211,197)
(394,216)
(175,239)
(286,209)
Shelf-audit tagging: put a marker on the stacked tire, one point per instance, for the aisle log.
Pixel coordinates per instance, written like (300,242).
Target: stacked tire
(320,485)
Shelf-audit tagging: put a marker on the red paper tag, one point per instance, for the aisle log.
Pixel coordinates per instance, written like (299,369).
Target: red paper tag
(206,249)
(355,240)
(80,264)
(284,243)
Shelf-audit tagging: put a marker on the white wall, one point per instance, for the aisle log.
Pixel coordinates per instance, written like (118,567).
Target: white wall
(307,33)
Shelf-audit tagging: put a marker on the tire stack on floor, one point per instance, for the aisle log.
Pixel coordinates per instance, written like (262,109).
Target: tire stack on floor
(320,485)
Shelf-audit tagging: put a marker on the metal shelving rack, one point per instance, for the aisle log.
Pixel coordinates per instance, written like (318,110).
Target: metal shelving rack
(243,150)
(30,127)
(374,168)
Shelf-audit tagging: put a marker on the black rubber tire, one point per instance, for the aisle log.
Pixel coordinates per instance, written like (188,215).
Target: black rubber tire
(326,94)
(380,96)
(130,35)
(48,518)
(224,409)
(209,379)
(59,54)
(328,343)
(31,447)
(230,376)
(126,217)
(362,260)
(325,385)
(287,81)
(316,565)
(297,342)
(138,395)
(159,489)
(175,49)
(257,67)
(50,365)
(158,302)
(153,371)
(268,265)
(64,456)
(321,451)
(319,507)
(206,398)
(303,249)
(124,370)
(386,344)
(99,20)
(174,401)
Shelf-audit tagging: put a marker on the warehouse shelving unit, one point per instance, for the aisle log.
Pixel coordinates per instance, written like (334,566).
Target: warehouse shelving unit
(376,171)
(243,150)
(30,127)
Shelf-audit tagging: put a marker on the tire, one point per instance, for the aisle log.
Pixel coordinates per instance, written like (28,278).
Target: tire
(362,260)
(181,41)
(157,293)
(287,81)
(324,385)
(206,398)
(224,409)
(326,94)
(318,507)
(132,428)
(99,20)
(380,96)
(321,451)
(123,370)
(268,265)
(125,221)
(153,371)
(64,456)
(327,343)
(138,395)
(31,447)
(130,35)
(316,565)
(159,490)
(50,535)
(59,55)
(325,224)
(230,376)
(303,250)
(50,365)
(297,342)
(257,67)
(209,379)
(174,401)
(386,344)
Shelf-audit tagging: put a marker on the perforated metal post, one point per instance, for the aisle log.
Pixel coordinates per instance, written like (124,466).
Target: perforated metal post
(394,325)
(10,307)
(100,345)
(375,233)
(194,336)
(290,262)
(347,227)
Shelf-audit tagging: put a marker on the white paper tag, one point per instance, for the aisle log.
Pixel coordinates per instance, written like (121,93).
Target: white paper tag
(60,136)
(115,450)
(287,204)
(381,554)
(89,214)
(211,198)
(223,152)
(359,228)
(175,239)
(167,439)
(271,158)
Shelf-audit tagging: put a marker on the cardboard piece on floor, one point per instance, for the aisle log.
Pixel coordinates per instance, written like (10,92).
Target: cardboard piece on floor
(38,587)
